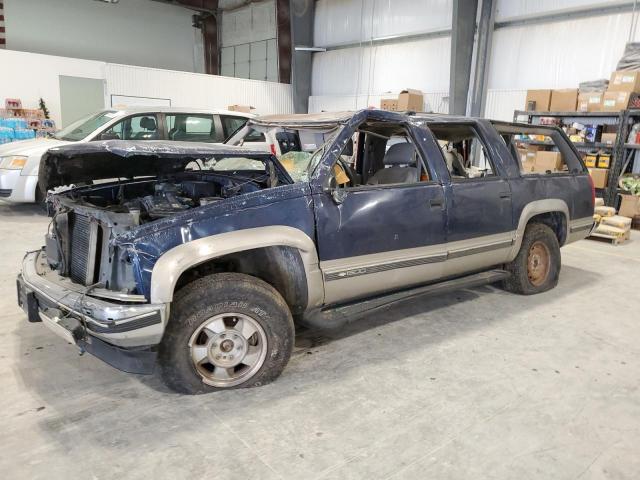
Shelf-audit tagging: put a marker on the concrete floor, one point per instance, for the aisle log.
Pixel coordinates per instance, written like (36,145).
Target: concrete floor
(476,384)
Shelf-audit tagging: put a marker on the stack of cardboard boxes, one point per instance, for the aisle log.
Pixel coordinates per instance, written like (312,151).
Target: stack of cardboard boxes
(17,123)
(623,92)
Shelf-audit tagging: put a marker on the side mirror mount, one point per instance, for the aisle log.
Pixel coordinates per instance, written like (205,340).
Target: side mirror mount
(109,136)
(338,194)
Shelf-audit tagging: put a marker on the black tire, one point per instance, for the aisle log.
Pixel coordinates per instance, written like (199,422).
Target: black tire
(210,297)
(527,276)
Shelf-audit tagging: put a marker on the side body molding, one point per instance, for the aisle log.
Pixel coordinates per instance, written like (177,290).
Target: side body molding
(179,259)
(534,208)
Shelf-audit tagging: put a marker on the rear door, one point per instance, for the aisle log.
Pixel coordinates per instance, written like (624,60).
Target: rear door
(480,228)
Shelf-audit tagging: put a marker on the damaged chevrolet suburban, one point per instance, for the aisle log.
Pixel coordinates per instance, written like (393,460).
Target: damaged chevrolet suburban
(201,259)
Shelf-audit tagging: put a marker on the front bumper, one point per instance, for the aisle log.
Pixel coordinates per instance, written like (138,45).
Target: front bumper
(124,335)
(17,188)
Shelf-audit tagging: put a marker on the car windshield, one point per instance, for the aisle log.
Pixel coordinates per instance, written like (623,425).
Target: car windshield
(300,148)
(85,126)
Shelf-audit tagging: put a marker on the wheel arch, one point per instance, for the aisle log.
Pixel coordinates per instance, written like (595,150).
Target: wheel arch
(553,212)
(275,254)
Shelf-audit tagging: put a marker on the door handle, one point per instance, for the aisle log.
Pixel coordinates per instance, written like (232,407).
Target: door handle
(436,202)
(505,194)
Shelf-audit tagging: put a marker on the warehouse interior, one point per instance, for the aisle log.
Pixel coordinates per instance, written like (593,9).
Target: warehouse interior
(422,357)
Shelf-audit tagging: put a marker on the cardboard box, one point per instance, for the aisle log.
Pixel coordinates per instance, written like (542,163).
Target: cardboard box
(609,138)
(390,104)
(538,100)
(590,161)
(599,176)
(527,159)
(590,102)
(614,101)
(625,81)
(240,108)
(12,104)
(630,206)
(604,160)
(410,99)
(548,161)
(564,100)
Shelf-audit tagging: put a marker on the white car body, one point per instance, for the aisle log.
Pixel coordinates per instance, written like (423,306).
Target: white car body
(18,185)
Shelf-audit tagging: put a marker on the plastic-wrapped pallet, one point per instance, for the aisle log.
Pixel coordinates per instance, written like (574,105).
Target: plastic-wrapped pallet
(617,221)
(605,211)
(593,86)
(630,58)
(610,230)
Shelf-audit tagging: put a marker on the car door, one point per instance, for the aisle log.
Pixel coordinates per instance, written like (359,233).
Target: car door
(374,238)
(480,230)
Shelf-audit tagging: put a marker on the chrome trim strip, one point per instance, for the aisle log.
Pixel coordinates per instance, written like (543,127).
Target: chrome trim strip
(357,271)
(480,249)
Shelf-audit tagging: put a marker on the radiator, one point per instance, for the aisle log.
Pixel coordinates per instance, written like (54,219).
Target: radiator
(83,249)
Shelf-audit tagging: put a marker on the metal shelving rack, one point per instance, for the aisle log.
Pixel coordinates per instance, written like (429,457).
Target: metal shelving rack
(622,153)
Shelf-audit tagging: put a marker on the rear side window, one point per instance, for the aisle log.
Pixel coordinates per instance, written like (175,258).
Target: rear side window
(191,128)
(464,151)
(538,151)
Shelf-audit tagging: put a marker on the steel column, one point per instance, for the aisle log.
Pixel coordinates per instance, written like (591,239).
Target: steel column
(482,57)
(463,23)
(302,17)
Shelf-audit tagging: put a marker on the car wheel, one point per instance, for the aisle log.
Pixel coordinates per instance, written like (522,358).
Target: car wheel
(226,331)
(536,268)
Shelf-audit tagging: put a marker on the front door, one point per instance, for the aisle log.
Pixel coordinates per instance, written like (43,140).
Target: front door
(385,228)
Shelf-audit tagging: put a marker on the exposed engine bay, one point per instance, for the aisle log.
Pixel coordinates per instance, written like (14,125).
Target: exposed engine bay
(149,200)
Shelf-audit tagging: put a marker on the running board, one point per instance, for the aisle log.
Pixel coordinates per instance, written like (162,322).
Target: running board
(334,317)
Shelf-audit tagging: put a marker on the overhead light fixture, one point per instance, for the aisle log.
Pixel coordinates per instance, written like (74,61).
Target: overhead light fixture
(108,1)
(310,49)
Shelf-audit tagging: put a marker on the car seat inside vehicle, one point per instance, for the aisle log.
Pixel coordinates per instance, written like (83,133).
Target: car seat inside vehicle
(150,129)
(399,166)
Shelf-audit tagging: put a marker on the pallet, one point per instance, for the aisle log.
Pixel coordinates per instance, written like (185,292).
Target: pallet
(610,238)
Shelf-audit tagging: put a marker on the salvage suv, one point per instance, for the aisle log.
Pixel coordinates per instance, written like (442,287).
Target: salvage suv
(202,258)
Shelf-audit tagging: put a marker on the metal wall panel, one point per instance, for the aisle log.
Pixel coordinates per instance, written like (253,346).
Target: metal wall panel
(507,9)
(197,90)
(559,54)
(434,101)
(348,21)
(422,64)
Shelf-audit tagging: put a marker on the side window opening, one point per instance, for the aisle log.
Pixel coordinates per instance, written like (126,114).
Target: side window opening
(231,124)
(537,151)
(380,153)
(137,127)
(191,128)
(464,152)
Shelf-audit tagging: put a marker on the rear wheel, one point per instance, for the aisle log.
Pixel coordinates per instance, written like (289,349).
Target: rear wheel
(536,268)
(226,331)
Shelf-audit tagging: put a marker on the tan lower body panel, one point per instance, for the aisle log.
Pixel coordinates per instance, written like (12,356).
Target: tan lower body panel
(356,277)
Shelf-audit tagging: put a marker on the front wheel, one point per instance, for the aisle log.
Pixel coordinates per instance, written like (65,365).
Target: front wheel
(227,330)
(536,268)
